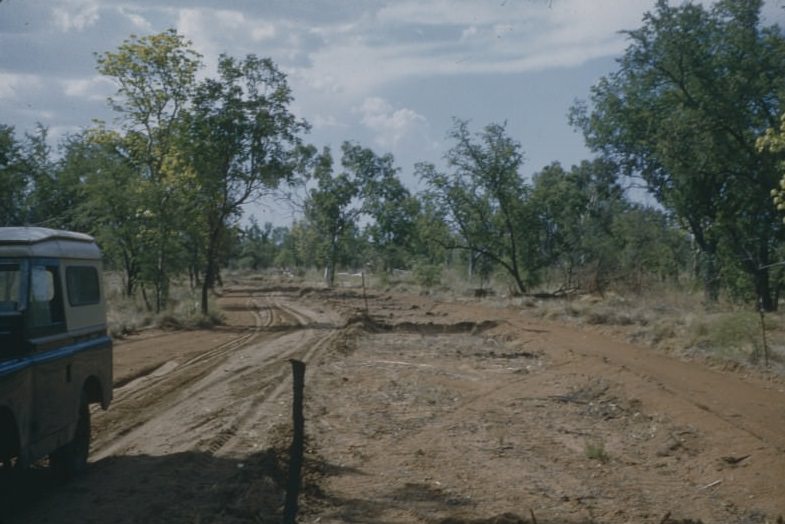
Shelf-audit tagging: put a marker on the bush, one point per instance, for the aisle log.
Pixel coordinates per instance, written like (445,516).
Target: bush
(428,275)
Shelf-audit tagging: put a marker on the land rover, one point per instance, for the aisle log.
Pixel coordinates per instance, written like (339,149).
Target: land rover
(55,353)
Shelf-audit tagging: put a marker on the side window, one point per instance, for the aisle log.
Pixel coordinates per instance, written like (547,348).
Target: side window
(82,285)
(10,280)
(46,315)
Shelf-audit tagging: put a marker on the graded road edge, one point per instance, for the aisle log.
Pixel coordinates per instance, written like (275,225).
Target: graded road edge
(418,410)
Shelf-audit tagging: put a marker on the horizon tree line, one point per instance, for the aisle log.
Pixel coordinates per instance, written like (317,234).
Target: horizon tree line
(693,111)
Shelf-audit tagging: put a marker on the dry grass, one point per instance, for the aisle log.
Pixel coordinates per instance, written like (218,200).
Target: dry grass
(678,321)
(595,450)
(127,315)
(669,319)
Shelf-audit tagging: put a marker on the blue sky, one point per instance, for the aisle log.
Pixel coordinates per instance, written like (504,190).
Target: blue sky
(389,75)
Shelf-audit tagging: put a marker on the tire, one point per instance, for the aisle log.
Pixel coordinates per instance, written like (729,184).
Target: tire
(10,472)
(70,459)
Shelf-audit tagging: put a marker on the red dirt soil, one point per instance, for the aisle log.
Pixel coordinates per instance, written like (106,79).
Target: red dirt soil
(418,411)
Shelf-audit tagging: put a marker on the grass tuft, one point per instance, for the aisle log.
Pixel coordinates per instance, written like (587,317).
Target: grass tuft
(595,450)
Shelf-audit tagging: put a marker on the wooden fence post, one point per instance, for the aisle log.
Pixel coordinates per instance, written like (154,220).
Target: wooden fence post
(365,297)
(298,443)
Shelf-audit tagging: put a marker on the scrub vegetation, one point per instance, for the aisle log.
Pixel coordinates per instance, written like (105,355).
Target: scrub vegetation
(692,114)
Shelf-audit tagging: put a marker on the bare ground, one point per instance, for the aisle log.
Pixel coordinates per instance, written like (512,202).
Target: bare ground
(417,411)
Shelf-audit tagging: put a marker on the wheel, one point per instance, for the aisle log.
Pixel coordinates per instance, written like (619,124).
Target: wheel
(71,459)
(10,472)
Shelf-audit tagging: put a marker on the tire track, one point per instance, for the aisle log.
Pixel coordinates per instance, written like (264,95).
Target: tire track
(145,397)
(229,440)
(240,380)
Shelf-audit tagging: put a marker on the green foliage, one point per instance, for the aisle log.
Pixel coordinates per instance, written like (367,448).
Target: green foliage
(595,450)
(13,178)
(729,335)
(773,141)
(201,150)
(367,191)
(389,207)
(428,275)
(165,191)
(240,142)
(484,199)
(259,246)
(112,200)
(575,213)
(431,233)
(330,210)
(649,248)
(695,89)
(156,76)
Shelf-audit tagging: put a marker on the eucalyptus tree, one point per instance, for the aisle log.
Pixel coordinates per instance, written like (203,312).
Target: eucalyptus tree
(575,211)
(331,209)
(388,206)
(42,206)
(112,200)
(693,91)
(241,141)
(485,199)
(13,178)
(156,77)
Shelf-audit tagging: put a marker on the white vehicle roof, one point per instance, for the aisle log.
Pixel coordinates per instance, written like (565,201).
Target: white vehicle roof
(20,242)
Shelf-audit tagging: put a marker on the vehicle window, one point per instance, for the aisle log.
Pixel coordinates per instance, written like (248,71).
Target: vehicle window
(82,285)
(46,302)
(10,279)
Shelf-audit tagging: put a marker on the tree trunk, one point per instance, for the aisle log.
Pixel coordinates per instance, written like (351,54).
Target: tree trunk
(710,273)
(130,274)
(329,270)
(763,290)
(211,265)
(208,277)
(329,274)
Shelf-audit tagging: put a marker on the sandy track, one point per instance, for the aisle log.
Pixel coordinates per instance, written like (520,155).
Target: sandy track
(418,411)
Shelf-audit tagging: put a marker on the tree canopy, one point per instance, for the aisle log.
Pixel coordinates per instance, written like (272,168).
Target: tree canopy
(693,92)
(484,197)
(164,187)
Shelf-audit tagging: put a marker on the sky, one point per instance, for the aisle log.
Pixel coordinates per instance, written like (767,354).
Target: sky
(390,75)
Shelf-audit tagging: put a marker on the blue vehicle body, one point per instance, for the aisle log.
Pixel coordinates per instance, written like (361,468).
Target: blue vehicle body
(55,353)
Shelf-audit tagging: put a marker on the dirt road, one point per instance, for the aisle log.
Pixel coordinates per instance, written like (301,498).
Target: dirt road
(418,411)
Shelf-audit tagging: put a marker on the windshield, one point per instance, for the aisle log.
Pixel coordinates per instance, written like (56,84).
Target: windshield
(10,287)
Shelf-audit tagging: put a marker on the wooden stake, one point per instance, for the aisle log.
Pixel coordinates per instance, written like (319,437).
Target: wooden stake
(365,298)
(763,334)
(298,444)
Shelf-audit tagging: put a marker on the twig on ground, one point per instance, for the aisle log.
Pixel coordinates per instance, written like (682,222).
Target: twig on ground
(710,485)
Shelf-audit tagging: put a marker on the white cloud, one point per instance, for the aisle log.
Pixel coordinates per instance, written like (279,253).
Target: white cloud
(217,31)
(96,88)
(469,33)
(138,21)
(193,25)
(506,37)
(388,124)
(263,32)
(13,85)
(321,121)
(76,15)
(443,12)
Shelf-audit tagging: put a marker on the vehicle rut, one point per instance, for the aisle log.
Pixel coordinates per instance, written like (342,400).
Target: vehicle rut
(240,379)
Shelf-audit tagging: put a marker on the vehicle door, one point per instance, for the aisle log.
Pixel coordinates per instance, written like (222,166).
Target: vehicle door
(15,373)
(49,352)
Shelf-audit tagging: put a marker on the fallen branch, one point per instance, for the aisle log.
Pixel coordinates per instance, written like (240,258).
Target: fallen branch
(735,460)
(559,293)
(710,485)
